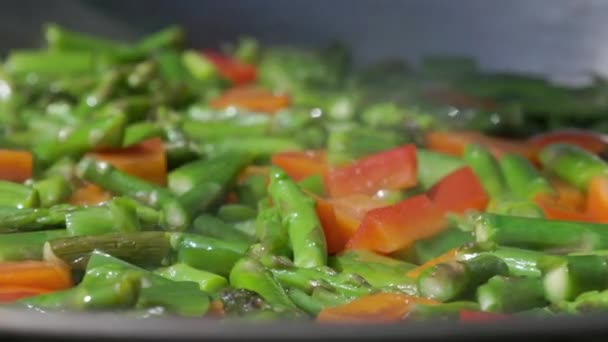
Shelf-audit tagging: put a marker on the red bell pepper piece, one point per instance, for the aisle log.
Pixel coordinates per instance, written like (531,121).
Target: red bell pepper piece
(300,165)
(340,218)
(454,143)
(237,72)
(146,160)
(445,257)
(554,209)
(597,199)
(375,308)
(480,316)
(15,166)
(12,293)
(392,169)
(251,98)
(394,227)
(590,141)
(458,192)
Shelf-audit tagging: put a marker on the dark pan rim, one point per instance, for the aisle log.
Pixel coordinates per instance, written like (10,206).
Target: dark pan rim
(16,323)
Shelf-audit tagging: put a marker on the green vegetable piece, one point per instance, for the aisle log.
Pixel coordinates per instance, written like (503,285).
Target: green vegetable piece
(199,67)
(18,196)
(141,248)
(209,254)
(572,163)
(214,227)
(26,246)
(564,278)
(174,216)
(522,178)
(52,190)
(270,231)
(207,281)
(299,216)
(510,294)
(535,233)
(486,168)
(101,133)
(458,279)
(251,275)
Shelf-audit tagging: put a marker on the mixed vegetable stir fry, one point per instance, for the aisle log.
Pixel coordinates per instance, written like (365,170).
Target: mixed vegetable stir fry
(274,183)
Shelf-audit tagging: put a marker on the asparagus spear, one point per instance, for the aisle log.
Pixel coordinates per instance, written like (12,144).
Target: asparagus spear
(541,234)
(50,62)
(101,133)
(234,212)
(258,147)
(22,220)
(181,297)
(588,302)
(60,38)
(521,262)
(220,169)
(510,294)
(572,164)
(379,271)
(298,213)
(305,302)
(486,168)
(174,215)
(522,178)
(207,281)
(209,254)
(169,37)
(52,190)
(18,196)
(140,131)
(213,227)
(433,247)
(255,188)
(565,277)
(141,248)
(250,305)
(457,279)
(249,274)
(118,215)
(255,126)
(308,279)
(26,246)
(270,232)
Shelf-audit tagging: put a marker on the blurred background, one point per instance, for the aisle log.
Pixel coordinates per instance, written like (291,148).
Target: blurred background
(564,39)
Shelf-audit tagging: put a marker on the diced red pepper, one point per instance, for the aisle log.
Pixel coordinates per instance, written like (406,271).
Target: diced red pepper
(12,293)
(251,98)
(394,227)
(597,199)
(392,169)
(340,218)
(146,160)
(554,209)
(454,143)
(458,192)
(15,166)
(237,72)
(445,257)
(590,141)
(300,165)
(89,194)
(375,308)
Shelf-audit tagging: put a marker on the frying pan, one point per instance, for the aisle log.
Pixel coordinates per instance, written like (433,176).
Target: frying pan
(563,40)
